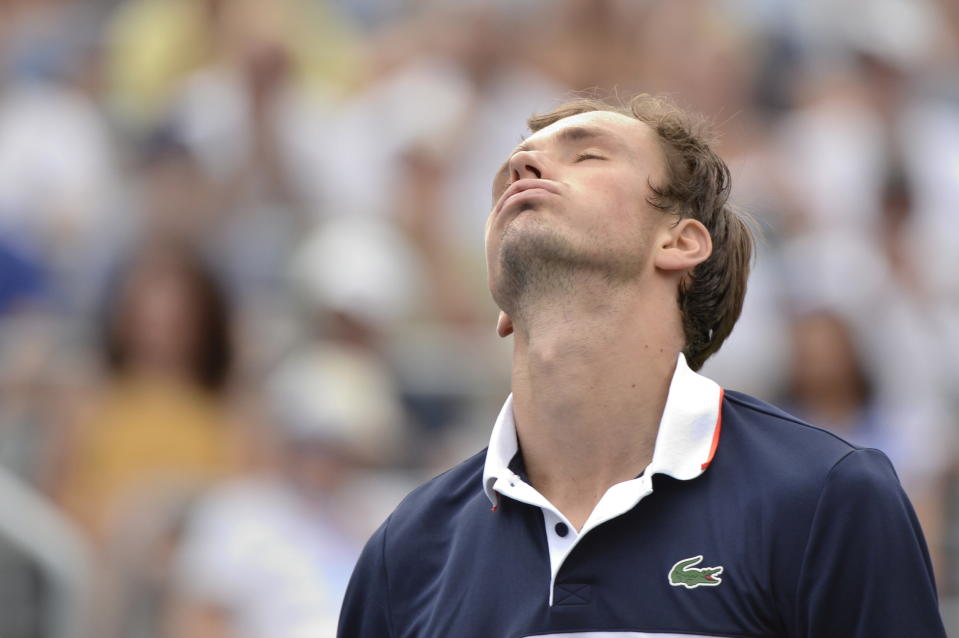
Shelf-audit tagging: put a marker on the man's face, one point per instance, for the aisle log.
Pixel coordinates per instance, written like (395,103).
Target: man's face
(572,198)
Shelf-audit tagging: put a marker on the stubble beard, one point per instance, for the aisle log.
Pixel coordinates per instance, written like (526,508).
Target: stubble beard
(538,266)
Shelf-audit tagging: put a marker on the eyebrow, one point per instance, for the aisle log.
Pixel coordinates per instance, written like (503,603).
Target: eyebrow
(566,135)
(571,134)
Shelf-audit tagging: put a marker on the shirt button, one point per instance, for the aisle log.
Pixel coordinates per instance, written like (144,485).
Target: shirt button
(561,529)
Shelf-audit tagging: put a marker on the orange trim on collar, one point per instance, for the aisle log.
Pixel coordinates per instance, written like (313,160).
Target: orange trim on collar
(719,427)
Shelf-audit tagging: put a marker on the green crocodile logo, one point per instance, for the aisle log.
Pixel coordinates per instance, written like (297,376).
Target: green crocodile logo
(683,574)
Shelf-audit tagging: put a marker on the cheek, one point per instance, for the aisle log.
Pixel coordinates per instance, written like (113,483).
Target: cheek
(617,190)
(633,212)
(619,209)
(631,198)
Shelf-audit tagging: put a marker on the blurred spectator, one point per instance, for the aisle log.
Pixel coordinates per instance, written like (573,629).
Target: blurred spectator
(157,432)
(271,554)
(155,44)
(160,414)
(829,383)
(58,170)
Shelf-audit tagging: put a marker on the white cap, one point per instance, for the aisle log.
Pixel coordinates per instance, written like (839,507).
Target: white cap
(362,267)
(338,395)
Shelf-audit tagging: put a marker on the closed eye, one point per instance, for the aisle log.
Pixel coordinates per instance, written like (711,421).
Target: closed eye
(587,156)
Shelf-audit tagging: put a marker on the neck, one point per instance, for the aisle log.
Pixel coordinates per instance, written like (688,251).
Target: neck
(590,377)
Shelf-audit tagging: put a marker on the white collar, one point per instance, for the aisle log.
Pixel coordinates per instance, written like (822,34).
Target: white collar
(685,443)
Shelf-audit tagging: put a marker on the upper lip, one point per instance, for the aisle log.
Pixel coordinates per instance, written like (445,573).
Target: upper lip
(521,185)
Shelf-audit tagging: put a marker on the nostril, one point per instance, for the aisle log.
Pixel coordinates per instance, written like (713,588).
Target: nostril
(534,171)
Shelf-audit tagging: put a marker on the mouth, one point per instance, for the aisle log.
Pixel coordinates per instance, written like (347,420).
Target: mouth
(524,189)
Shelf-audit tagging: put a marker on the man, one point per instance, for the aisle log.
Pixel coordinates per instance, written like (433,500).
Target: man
(622,493)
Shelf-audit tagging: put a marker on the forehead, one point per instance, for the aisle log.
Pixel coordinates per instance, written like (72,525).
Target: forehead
(626,129)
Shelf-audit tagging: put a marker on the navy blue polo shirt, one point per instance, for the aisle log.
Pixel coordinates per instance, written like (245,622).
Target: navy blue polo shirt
(747,523)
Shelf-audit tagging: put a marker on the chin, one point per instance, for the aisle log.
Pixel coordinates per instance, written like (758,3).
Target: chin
(535,257)
(531,258)
(528,240)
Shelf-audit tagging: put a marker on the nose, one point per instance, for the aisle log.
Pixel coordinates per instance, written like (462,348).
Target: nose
(525,165)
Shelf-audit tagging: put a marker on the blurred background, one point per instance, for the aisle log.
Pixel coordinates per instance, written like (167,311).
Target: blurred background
(243,306)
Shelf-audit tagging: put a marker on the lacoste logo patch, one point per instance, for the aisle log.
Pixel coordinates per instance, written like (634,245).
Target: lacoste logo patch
(683,574)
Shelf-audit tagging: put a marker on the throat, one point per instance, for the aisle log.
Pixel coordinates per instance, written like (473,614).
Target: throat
(590,378)
(587,421)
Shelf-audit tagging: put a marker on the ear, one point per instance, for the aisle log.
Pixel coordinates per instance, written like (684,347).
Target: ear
(683,245)
(504,325)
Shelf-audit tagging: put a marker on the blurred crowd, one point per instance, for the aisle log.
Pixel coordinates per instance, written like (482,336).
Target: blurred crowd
(243,306)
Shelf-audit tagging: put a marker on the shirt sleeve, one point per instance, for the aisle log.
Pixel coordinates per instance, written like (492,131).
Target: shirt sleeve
(366,606)
(866,570)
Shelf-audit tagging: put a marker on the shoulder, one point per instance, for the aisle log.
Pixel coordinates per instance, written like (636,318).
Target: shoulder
(433,509)
(769,437)
(782,466)
(801,488)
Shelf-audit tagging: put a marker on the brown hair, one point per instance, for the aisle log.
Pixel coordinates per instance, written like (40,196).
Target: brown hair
(209,308)
(697,186)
